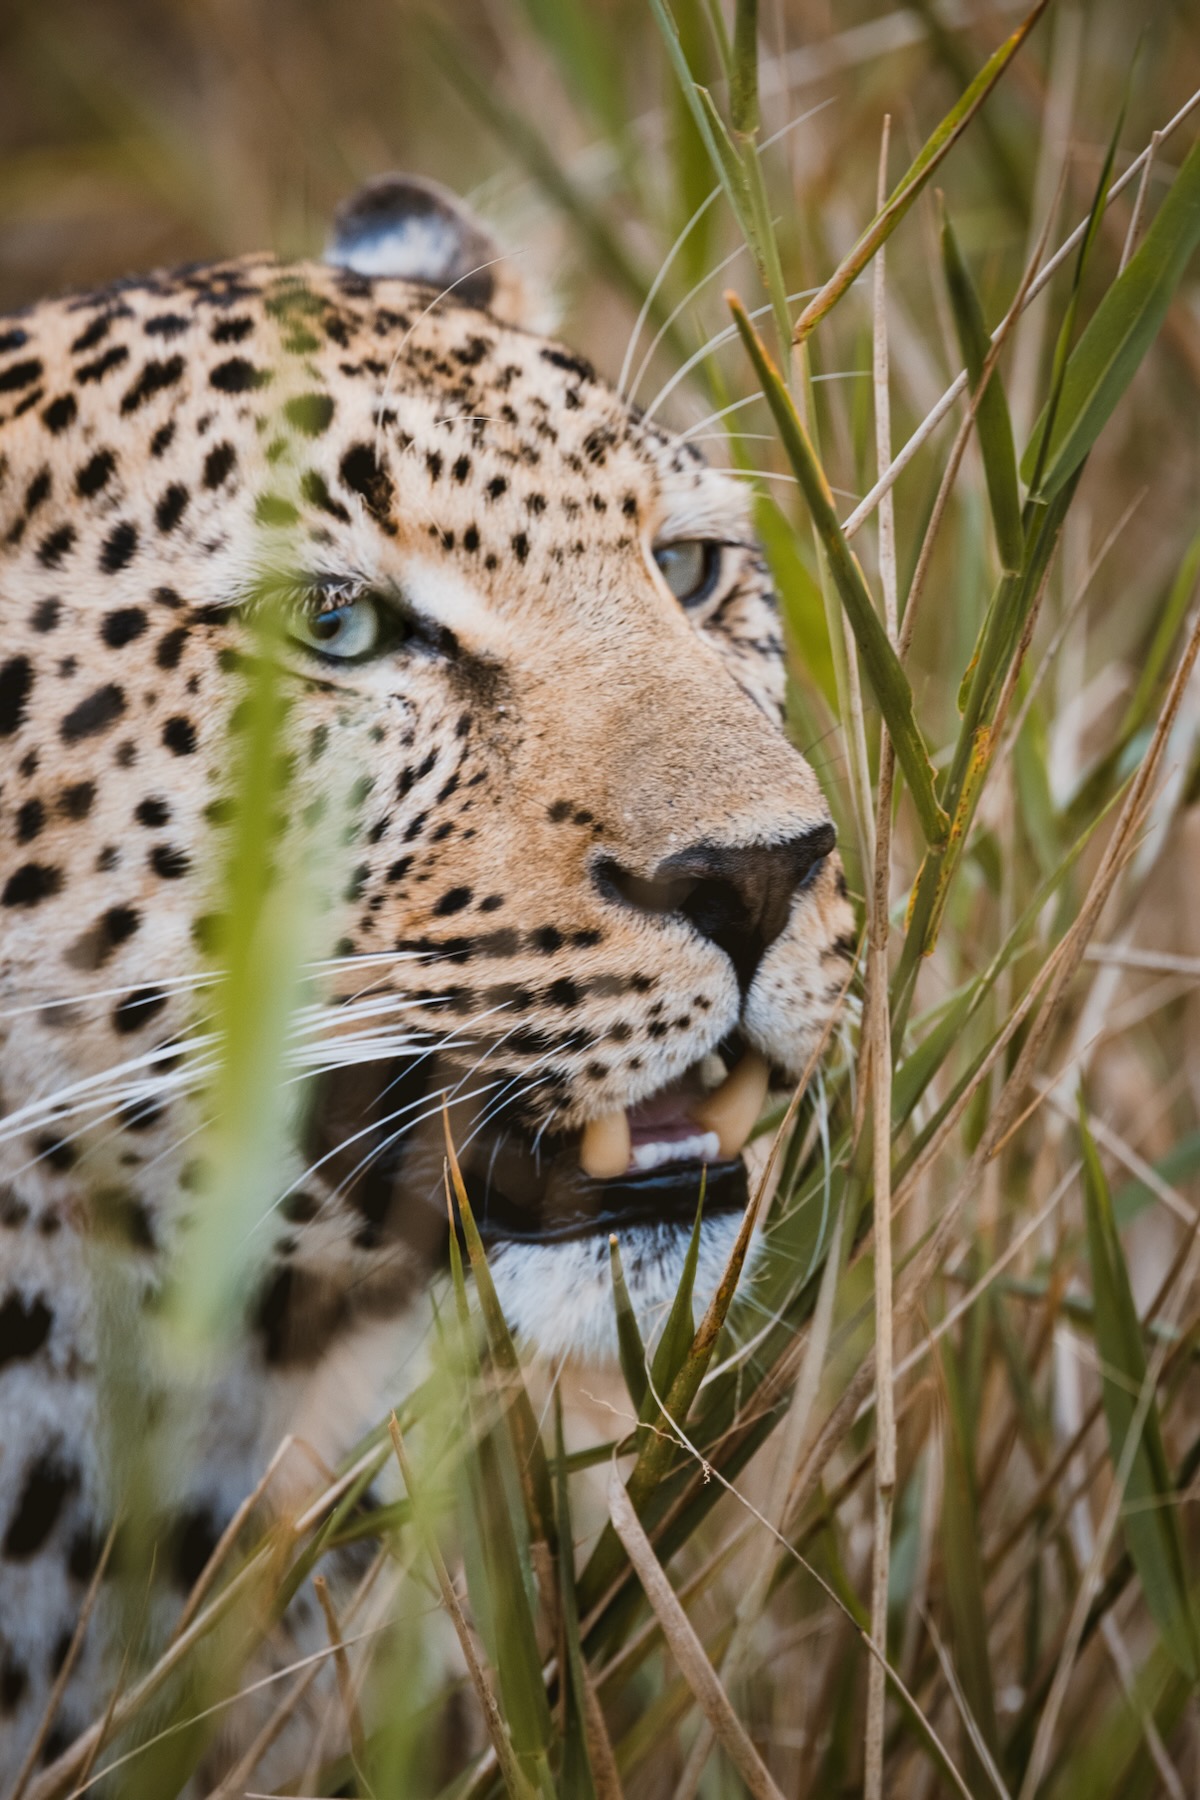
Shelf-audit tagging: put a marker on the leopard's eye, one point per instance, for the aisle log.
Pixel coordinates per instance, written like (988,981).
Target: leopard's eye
(690,567)
(351,633)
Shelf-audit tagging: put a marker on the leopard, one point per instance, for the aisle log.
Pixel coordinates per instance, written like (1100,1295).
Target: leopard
(586,903)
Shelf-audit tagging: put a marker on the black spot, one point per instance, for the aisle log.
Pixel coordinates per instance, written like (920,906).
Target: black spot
(172,505)
(60,1652)
(179,735)
(462,468)
(19,375)
(153,379)
(310,413)
(59,414)
(45,615)
(454,900)
(167,325)
(564,993)
(14,1680)
(194,1537)
(312,486)
(30,819)
(93,334)
(433,462)
(16,684)
(75,802)
(93,715)
(56,1151)
(118,547)
(232,331)
(152,812)
(96,371)
(48,1482)
(300,1208)
(170,647)
(37,491)
(169,862)
(574,365)
(547,939)
(237,376)
(520,545)
(31,884)
(160,443)
(497,486)
(83,1554)
(492,903)
(112,929)
(95,473)
(137,1009)
(13,339)
(54,546)
(361,471)
(122,626)
(24,1328)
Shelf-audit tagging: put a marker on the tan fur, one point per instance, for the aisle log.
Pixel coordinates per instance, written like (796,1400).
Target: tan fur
(159,441)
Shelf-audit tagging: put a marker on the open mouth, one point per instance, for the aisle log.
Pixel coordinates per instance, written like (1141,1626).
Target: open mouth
(641,1165)
(636,1166)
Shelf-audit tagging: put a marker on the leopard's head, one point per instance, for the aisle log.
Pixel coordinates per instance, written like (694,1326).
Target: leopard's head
(595,904)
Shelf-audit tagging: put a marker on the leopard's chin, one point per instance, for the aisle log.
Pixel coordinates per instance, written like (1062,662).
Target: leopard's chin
(558,1296)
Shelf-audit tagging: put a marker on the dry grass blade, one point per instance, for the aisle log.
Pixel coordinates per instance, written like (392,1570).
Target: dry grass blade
(341,1663)
(686,1647)
(514,1779)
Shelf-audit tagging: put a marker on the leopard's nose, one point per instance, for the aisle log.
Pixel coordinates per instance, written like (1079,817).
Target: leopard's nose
(737,896)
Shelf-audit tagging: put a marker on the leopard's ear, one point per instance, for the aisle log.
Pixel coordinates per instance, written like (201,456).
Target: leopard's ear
(417,230)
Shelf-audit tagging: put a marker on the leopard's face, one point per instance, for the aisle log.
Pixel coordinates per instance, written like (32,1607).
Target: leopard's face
(531,650)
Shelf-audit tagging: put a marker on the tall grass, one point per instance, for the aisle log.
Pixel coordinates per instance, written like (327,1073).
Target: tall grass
(907,1511)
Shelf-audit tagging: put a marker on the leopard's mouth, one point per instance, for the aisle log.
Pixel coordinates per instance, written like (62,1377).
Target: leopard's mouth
(641,1165)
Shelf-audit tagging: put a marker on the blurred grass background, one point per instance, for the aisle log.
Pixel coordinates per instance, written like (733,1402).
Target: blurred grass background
(132,135)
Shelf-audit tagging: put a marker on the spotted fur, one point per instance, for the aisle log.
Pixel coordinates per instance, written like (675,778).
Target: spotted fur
(555,712)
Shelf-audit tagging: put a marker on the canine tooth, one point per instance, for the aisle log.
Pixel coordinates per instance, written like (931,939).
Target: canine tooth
(732,1110)
(604,1147)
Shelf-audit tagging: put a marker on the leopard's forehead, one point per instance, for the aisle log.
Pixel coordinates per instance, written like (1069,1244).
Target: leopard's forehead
(193,410)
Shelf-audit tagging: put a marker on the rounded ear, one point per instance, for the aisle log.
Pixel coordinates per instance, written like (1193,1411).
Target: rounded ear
(417,230)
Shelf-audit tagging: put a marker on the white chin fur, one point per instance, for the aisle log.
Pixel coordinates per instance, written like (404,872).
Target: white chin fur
(558,1298)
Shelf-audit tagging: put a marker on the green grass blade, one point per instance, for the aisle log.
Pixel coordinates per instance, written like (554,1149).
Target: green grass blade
(902,196)
(736,162)
(630,1348)
(519,1661)
(1119,333)
(721,152)
(1167,629)
(527,1442)
(888,681)
(991,413)
(680,1329)
(576,1769)
(1151,1518)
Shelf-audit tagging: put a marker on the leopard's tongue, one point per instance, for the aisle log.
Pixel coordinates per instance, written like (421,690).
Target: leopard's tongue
(677,1126)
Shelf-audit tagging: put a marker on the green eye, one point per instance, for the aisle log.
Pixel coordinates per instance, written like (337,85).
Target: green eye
(351,633)
(690,567)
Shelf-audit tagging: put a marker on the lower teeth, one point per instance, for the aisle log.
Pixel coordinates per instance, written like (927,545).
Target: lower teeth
(704,1147)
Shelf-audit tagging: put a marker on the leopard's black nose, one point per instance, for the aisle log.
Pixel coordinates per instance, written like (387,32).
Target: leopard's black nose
(737,896)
